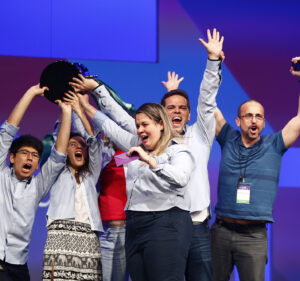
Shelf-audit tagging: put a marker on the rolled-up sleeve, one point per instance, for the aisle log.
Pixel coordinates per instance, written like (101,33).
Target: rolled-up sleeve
(120,137)
(176,166)
(50,171)
(8,132)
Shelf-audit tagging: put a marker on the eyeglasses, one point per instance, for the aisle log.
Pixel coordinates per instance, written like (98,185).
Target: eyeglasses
(26,153)
(77,144)
(250,116)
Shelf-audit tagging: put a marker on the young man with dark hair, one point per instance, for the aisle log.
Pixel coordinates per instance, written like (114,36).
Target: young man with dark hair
(176,92)
(20,191)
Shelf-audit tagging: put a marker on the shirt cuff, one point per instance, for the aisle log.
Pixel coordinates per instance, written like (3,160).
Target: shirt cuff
(160,161)
(213,65)
(100,93)
(58,157)
(10,129)
(90,139)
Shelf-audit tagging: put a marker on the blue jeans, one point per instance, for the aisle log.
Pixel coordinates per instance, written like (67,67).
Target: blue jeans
(245,246)
(113,259)
(157,244)
(199,263)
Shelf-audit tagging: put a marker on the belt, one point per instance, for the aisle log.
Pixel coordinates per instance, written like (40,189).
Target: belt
(240,227)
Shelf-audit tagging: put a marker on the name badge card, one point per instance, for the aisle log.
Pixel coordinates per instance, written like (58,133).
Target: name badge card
(243,193)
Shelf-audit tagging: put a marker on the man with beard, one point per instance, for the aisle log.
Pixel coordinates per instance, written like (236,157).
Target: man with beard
(247,187)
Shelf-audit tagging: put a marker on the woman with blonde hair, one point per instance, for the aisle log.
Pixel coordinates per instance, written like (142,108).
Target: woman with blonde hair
(158,224)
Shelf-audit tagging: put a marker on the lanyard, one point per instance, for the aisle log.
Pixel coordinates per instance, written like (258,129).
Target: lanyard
(242,176)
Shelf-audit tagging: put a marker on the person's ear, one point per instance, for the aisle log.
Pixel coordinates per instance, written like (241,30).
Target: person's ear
(238,121)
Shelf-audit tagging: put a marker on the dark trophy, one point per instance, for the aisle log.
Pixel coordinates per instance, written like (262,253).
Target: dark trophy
(56,76)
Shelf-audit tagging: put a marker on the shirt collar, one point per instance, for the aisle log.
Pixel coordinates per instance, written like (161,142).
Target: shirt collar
(258,143)
(13,174)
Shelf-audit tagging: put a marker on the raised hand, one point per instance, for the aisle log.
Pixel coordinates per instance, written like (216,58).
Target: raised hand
(83,84)
(72,100)
(64,106)
(84,99)
(295,72)
(214,45)
(173,81)
(36,90)
(19,110)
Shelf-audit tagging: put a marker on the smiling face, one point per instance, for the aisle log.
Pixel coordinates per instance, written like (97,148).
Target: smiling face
(24,162)
(251,127)
(148,130)
(77,152)
(178,112)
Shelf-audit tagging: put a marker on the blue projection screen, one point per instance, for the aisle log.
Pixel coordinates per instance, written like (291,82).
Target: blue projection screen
(75,29)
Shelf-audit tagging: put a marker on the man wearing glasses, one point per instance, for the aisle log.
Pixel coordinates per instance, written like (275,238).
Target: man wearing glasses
(20,191)
(247,187)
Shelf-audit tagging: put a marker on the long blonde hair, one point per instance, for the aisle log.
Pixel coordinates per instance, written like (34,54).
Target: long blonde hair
(157,113)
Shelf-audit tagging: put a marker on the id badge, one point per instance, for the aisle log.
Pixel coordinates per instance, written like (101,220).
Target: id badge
(243,193)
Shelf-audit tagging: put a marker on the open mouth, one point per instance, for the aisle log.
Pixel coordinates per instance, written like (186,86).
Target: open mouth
(253,129)
(144,139)
(176,120)
(27,167)
(78,156)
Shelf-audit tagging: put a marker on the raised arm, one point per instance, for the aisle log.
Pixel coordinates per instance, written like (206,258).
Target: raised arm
(210,85)
(21,107)
(220,121)
(65,127)
(291,130)
(120,137)
(57,159)
(106,102)
(73,100)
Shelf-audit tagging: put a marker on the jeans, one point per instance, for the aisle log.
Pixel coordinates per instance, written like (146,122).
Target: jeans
(157,244)
(199,263)
(13,272)
(245,246)
(113,259)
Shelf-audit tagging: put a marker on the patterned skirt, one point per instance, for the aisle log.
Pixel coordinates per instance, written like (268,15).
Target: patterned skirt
(72,252)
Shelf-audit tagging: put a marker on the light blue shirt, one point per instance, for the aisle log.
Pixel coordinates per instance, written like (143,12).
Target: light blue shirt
(156,189)
(199,136)
(62,195)
(19,199)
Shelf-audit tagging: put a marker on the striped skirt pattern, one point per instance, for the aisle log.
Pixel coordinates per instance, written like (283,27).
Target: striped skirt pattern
(72,252)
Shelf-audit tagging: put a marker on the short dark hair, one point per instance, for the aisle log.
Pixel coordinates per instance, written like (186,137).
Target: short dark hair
(174,93)
(26,140)
(240,107)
